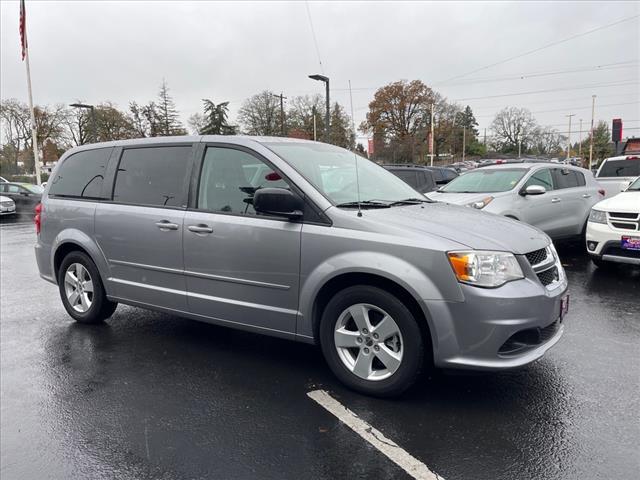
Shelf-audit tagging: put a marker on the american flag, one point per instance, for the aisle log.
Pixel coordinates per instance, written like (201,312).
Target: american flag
(23,29)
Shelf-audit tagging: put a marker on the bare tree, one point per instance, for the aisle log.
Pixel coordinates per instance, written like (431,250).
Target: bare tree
(546,141)
(196,123)
(260,114)
(513,127)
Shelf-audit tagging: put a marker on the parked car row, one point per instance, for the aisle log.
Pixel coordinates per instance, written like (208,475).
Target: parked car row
(23,196)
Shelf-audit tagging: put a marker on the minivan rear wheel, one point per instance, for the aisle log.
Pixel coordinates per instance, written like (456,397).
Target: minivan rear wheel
(81,289)
(371,341)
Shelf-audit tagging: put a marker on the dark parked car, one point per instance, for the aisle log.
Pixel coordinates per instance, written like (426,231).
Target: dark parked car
(417,176)
(25,195)
(443,175)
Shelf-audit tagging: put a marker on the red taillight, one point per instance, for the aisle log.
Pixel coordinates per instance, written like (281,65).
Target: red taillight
(37,219)
(633,158)
(602,192)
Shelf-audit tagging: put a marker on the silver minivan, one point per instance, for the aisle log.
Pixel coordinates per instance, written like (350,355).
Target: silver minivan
(262,234)
(555,198)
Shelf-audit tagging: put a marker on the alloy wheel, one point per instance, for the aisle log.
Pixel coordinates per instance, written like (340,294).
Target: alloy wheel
(78,287)
(368,342)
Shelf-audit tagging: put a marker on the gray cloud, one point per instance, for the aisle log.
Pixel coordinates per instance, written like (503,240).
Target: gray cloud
(121,51)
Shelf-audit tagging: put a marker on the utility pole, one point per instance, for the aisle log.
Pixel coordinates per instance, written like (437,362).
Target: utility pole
(485,137)
(431,138)
(569,136)
(464,140)
(593,111)
(580,142)
(282,99)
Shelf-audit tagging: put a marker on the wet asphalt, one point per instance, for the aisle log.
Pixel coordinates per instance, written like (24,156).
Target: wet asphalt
(148,395)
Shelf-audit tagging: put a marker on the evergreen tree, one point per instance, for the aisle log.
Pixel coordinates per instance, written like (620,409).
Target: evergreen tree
(216,119)
(167,114)
(340,131)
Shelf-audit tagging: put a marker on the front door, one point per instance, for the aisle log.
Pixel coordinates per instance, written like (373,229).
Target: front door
(140,230)
(543,211)
(240,267)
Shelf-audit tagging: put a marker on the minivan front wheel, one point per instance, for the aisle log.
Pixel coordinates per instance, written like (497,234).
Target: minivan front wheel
(371,341)
(81,289)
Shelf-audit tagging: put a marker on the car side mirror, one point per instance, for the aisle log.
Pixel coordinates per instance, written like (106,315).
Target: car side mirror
(279,202)
(534,190)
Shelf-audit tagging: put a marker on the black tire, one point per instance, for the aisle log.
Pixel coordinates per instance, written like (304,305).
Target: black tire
(101,308)
(413,347)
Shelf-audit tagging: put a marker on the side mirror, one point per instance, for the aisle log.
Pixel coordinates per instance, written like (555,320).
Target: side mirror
(534,190)
(278,201)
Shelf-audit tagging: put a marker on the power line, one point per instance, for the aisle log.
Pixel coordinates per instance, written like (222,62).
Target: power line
(573,108)
(524,54)
(524,76)
(313,34)
(602,85)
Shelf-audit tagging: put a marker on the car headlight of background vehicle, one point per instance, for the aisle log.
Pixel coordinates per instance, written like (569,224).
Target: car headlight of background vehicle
(597,216)
(480,204)
(485,268)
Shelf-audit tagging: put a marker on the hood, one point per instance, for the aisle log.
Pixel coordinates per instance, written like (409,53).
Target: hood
(467,226)
(622,202)
(459,198)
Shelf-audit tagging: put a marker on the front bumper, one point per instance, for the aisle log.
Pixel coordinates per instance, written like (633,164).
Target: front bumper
(498,329)
(7,210)
(604,243)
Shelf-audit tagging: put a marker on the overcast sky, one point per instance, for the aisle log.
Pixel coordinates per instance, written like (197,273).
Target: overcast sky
(120,51)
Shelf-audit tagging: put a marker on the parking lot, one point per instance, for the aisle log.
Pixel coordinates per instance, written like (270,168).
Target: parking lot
(148,395)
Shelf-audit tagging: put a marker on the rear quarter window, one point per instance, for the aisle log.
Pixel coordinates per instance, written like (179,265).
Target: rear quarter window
(153,176)
(81,175)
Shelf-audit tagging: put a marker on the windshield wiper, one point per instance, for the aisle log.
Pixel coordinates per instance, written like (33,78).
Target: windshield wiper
(411,201)
(364,204)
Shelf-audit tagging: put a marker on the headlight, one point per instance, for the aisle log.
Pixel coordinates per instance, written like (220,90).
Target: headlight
(481,204)
(597,216)
(485,269)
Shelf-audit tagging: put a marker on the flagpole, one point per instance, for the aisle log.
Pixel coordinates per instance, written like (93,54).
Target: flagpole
(34,130)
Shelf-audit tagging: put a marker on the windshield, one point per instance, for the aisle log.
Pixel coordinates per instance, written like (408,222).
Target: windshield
(620,168)
(33,188)
(635,186)
(332,170)
(485,181)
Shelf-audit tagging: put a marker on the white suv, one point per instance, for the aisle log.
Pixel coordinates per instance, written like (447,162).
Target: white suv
(613,229)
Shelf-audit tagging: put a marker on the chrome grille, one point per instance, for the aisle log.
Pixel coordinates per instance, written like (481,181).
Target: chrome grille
(537,256)
(629,221)
(549,276)
(6,204)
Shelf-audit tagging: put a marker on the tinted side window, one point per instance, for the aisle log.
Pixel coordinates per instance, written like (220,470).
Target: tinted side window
(542,178)
(81,174)
(152,176)
(426,182)
(449,175)
(229,179)
(407,176)
(565,178)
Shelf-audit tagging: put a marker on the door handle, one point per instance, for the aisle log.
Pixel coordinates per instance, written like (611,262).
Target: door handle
(200,228)
(166,225)
(555,200)
(586,195)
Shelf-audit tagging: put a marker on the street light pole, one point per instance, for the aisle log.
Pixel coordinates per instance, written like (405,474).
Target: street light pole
(569,136)
(464,140)
(92,109)
(325,79)
(431,139)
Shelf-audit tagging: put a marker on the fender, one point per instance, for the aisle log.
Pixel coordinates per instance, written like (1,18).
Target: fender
(81,239)
(392,268)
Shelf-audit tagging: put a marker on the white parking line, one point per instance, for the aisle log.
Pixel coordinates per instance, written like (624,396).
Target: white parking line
(395,453)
